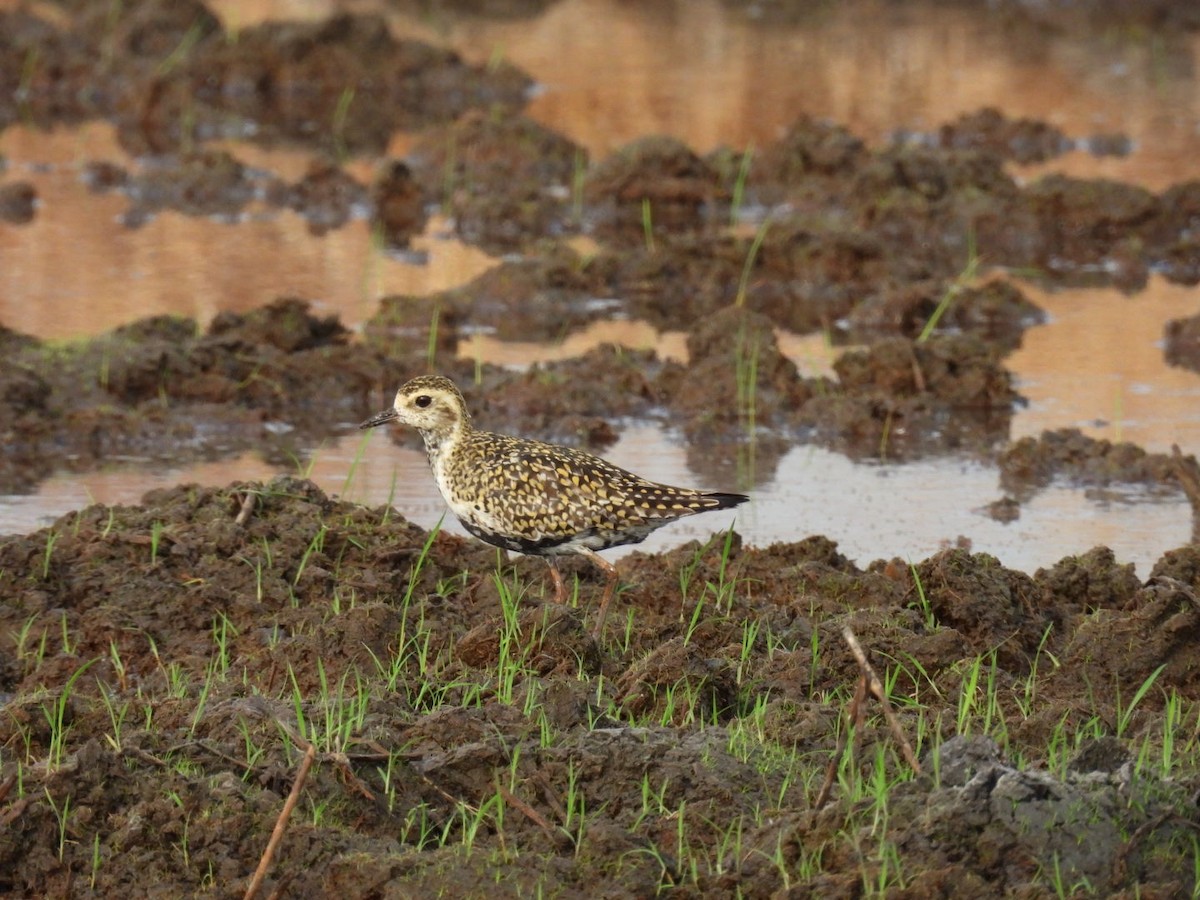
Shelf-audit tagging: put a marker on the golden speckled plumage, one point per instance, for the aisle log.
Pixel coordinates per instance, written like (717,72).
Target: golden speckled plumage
(534,497)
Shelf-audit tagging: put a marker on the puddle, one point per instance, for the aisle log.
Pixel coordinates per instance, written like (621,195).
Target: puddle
(521,354)
(1098,365)
(811,353)
(713,75)
(184,265)
(908,511)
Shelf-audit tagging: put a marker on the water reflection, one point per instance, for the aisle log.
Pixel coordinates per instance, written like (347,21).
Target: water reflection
(902,511)
(75,271)
(1098,365)
(712,75)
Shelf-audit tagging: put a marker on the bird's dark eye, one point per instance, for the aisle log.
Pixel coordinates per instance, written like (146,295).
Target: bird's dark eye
(423,401)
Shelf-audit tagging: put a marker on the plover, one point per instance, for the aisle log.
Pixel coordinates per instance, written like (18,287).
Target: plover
(533,497)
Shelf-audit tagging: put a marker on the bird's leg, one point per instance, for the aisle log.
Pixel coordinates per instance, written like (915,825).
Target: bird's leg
(560,589)
(609,589)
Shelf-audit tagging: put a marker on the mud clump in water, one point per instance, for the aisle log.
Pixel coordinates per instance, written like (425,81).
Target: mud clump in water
(1032,463)
(214,183)
(900,398)
(653,185)
(997,312)
(540,297)
(405,326)
(1088,222)
(159,390)
(326,196)
(18,202)
(1021,140)
(399,208)
(1029,465)
(505,181)
(205,183)
(1182,339)
(809,153)
(736,378)
(269,83)
(282,77)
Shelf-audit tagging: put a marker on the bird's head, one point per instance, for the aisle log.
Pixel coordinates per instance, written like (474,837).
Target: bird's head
(430,403)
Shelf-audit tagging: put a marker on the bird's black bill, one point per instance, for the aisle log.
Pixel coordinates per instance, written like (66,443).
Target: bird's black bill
(386,416)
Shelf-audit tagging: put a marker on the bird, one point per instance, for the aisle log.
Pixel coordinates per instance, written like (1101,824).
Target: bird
(537,498)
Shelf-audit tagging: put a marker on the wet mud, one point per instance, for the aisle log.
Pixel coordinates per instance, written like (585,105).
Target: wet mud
(223,629)
(164,666)
(1182,340)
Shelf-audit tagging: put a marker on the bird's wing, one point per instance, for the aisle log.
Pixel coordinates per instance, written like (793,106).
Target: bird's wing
(559,491)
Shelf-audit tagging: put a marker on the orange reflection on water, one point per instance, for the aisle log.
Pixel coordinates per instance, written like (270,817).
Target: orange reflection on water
(1098,365)
(613,71)
(75,270)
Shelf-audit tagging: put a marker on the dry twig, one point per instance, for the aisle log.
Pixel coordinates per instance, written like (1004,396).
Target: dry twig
(281,823)
(876,687)
(918,373)
(15,811)
(868,681)
(854,717)
(530,813)
(342,761)
(9,782)
(247,507)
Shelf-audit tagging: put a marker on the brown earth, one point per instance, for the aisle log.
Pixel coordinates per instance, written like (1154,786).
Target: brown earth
(184,656)
(164,666)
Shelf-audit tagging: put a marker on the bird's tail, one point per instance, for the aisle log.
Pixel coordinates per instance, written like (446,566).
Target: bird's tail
(725,501)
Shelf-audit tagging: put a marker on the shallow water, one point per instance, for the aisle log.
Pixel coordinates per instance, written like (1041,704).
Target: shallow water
(884,510)
(709,77)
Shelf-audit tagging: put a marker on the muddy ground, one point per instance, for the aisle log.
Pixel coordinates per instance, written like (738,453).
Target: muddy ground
(164,667)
